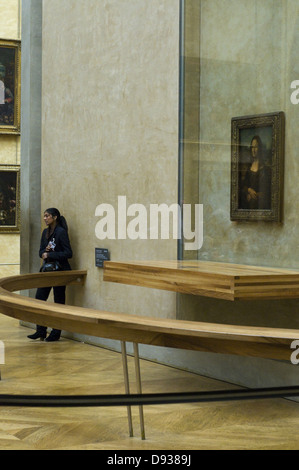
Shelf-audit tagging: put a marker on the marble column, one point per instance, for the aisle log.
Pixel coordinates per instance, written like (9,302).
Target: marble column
(31,134)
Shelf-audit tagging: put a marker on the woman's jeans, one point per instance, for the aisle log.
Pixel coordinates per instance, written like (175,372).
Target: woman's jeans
(43,293)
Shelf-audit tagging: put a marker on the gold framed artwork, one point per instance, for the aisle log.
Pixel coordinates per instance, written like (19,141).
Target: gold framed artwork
(257,164)
(10,86)
(9,198)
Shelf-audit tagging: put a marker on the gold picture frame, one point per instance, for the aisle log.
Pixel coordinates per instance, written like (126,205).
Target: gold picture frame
(257,164)
(9,198)
(10,86)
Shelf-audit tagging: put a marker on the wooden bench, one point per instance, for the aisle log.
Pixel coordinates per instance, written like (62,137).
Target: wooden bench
(270,343)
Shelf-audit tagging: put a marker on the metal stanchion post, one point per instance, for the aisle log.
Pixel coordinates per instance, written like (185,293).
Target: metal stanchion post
(139,388)
(127,386)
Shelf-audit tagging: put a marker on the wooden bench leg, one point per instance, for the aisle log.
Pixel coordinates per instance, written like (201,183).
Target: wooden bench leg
(139,388)
(127,386)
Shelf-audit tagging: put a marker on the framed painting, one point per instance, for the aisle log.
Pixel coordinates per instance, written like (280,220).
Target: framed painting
(9,198)
(257,164)
(10,86)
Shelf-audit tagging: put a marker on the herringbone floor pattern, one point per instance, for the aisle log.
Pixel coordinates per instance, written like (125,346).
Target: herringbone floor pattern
(69,367)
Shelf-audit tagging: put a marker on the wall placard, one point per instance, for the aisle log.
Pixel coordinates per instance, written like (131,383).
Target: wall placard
(101,255)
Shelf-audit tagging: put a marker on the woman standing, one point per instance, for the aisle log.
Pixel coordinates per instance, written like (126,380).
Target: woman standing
(54,247)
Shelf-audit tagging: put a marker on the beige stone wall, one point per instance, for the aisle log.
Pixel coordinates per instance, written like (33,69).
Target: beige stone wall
(10,21)
(110,127)
(10,27)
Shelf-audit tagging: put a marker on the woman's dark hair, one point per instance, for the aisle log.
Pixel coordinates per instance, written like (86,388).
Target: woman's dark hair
(60,219)
(259,141)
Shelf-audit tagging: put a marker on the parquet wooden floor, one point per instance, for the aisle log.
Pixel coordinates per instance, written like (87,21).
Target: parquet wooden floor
(70,367)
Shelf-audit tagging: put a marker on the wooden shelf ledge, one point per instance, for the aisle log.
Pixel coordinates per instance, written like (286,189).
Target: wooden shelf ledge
(210,279)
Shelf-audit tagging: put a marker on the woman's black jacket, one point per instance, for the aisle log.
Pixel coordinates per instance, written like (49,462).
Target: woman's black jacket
(62,251)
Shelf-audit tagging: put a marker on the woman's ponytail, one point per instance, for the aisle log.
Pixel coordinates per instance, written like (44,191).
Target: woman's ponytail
(62,222)
(60,219)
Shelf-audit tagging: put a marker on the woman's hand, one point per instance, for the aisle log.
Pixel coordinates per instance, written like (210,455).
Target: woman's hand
(252,194)
(45,255)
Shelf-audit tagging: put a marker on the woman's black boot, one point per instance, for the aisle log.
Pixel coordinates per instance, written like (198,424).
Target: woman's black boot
(54,336)
(37,335)
(41,333)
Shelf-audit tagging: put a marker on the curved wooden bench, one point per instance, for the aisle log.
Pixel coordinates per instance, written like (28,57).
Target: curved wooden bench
(271,343)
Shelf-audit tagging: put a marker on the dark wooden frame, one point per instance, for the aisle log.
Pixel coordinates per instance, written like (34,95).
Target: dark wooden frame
(270,128)
(9,198)
(10,76)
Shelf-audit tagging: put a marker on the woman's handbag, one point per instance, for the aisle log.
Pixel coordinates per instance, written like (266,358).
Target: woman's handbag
(50,266)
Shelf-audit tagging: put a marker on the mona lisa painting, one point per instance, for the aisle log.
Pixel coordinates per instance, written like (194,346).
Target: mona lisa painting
(257,160)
